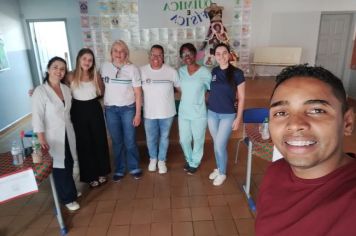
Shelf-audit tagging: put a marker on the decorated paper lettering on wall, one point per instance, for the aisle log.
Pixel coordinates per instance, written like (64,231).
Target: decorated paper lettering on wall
(142,23)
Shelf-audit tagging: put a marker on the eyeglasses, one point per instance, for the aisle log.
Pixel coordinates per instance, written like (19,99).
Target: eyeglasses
(187,54)
(156,55)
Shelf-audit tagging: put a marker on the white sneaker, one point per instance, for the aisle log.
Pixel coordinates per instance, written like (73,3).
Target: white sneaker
(73,206)
(219,180)
(153,165)
(214,174)
(162,168)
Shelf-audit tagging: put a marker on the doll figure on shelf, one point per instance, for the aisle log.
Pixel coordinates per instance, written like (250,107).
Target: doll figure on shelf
(216,34)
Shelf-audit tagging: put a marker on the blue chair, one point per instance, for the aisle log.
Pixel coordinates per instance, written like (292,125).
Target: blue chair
(251,115)
(29,134)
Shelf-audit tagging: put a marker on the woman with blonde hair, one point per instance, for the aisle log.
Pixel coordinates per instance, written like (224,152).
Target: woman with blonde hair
(122,100)
(88,120)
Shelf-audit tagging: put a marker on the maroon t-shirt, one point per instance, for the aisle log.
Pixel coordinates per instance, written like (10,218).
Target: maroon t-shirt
(288,205)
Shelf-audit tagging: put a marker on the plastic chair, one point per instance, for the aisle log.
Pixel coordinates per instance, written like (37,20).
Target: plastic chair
(251,115)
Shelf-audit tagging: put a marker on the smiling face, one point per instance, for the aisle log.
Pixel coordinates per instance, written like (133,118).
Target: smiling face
(118,54)
(56,71)
(156,58)
(86,61)
(188,56)
(222,56)
(307,125)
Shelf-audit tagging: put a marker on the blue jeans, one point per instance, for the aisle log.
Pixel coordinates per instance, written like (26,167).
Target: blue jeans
(123,135)
(220,127)
(157,137)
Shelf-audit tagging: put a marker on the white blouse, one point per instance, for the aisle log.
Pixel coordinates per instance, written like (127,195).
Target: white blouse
(85,91)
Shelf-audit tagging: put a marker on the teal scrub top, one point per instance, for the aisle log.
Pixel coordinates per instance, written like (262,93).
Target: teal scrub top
(192,104)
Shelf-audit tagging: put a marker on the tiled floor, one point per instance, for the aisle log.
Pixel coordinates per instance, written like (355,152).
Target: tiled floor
(170,204)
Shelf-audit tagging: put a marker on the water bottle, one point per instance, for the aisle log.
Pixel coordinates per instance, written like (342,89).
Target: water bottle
(265,131)
(16,152)
(36,150)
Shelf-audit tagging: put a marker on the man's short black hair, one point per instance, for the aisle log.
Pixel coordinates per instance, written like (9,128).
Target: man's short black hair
(158,47)
(314,72)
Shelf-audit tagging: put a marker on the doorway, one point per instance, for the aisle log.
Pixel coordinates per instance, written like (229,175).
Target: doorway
(49,39)
(334,34)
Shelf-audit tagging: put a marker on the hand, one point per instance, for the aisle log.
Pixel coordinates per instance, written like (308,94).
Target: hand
(235,124)
(137,120)
(30,92)
(43,142)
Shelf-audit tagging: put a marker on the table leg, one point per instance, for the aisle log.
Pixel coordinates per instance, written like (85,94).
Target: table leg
(57,206)
(248,177)
(253,71)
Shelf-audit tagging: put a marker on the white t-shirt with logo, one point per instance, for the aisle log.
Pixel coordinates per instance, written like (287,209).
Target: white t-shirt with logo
(119,84)
(158,91)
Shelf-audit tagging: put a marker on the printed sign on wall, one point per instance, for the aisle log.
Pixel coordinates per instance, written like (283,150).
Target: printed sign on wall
(179,13)
(142,23)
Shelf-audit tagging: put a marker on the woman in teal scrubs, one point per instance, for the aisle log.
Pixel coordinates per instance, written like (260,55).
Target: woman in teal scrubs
(192,115)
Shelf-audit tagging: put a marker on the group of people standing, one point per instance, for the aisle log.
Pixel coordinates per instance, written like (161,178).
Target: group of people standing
(69,120)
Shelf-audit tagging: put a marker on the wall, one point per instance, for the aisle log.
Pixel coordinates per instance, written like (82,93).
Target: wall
(293,23)
(273,22)
(54,9)
(14,83)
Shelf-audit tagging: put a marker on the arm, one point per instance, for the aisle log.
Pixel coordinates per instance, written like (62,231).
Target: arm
(100,84)
(68,78)
(240,105)
(176,86)
(42,140)
(138,100)
(38,116)
(207,93)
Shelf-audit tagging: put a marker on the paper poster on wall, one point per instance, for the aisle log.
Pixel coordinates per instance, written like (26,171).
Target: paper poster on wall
(167,14)
(4,62)
(145,35)
(84,21)
(200,33)
(105,22)
(114,7)
(106,37)
(154,35)
(83,6)
(103,7)
(114,22)
(140,23)
(135,37)
(133,8)
(190,33)
(125,8)
(124,22)
(94,22)
(163,34)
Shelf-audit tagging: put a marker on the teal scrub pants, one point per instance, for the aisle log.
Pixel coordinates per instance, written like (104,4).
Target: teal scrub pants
(192,138)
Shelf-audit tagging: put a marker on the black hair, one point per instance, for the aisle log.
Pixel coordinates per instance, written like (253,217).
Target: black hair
(188,46)
(50,62)
(158,47)
(314,72)
(230,69)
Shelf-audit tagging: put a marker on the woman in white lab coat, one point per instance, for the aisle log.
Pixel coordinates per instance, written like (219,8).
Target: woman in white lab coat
(51,104)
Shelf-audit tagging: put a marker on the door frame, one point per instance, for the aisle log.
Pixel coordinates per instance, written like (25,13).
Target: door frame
(347,55)
(37,77)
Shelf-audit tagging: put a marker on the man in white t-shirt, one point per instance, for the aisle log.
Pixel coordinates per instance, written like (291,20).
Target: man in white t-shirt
(158,83)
